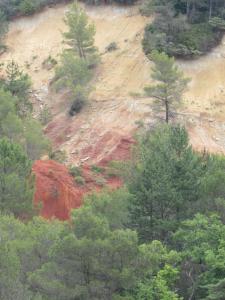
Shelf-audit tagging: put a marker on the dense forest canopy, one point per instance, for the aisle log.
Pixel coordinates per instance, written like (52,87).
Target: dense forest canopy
(184,28)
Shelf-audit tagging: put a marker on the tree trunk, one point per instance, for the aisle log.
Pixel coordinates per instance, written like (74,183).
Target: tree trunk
(167,111)
(192,12)
(188,9)
(79,50)
(210,9)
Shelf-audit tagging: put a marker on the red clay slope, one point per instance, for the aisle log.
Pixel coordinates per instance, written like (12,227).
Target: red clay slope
(57,191)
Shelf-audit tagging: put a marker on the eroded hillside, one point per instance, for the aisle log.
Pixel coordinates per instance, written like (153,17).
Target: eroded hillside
(103,130)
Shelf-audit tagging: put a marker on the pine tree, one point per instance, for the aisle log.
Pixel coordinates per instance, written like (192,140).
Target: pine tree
(167,93)
(15,169)
(164,180)
(80,36)
(18,84)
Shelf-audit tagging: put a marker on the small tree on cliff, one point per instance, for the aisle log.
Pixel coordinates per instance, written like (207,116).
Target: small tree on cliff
(80,36)
(172,83)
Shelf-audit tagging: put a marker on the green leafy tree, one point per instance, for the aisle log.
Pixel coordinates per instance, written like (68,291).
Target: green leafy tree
(80,36)
(112,205)
(161,287)
(202,242)
(171,83)
(16,188)
(28,7)
(164,179)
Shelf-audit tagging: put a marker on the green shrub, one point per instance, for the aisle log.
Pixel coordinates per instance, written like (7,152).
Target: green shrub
(79,100)
(181,34)
(195,40)
(80,180)
(58,155)
(100,181)
(111,47)
(45,115)
(49,63)
(75,171)
(28,7)
(97,169)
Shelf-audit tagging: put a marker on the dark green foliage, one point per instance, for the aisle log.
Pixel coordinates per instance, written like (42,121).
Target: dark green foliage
(113,206)
(45,115)
(10,123)
(15,108)
(16,191)
(3,30)
(36,144)
(12,8)
(97,259)
(202,242)
(79,180)
(23,249)
(129,2)
(18,84)
(165,182)
(28,7)
(58,155)
(97,169)
(183,28)
(75,171)
(212,187)
(111,47)
(79,100)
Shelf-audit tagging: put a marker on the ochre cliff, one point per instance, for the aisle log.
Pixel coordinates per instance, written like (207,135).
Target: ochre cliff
(57,192)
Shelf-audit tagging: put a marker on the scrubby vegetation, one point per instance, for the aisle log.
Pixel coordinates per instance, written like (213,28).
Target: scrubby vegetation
(49,63)
(77,62)
(183,28)
(45,115)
